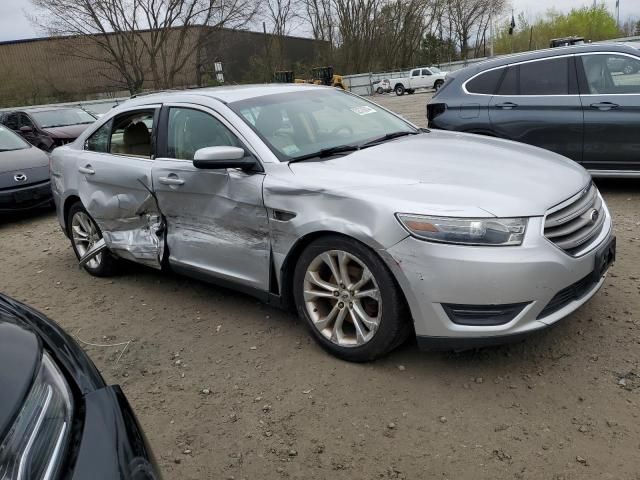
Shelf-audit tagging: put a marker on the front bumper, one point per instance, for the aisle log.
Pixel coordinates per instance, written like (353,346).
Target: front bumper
(432,274)
(26,197)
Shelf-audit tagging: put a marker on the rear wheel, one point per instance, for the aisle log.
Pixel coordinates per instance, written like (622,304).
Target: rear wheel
(84,234)
(349,299)
(399,89)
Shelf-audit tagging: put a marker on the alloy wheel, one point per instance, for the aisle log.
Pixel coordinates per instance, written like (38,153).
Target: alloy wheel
(85,234)
(342,298)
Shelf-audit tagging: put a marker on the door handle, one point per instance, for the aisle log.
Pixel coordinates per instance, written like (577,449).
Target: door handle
(172,180)
(604,106)
(506,105)
(87,170)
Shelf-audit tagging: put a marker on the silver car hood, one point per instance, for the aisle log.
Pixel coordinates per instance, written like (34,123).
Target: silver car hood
(445,173)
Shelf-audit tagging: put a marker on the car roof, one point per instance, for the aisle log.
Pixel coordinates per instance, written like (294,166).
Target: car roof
(547,53)
(229,94)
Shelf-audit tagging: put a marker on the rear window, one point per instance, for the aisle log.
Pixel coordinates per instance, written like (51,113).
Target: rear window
(486,83)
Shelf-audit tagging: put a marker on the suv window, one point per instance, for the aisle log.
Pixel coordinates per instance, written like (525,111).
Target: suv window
(611,74)
(509,85)
(190,130)
(131,134)
(415,73)
(99,140)
(545,77)
(426,71)
(486,83)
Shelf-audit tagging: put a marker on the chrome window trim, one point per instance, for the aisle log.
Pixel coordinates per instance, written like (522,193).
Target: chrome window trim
(464,85)
(581,54)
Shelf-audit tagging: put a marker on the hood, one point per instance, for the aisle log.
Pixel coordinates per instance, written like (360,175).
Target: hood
(19,361)
(446,173)
(31,162)
(70,132)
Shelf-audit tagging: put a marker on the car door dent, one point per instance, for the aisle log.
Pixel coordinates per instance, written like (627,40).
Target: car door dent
(132,228)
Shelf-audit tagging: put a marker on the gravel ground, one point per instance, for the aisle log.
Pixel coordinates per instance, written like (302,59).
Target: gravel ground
(226,387)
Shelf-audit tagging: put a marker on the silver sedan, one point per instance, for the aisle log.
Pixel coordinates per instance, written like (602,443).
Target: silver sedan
(319,200)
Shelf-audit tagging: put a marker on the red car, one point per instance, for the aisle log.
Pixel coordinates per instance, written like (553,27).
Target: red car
(48,127)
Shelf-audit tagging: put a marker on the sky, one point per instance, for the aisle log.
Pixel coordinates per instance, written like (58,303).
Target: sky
(14,24)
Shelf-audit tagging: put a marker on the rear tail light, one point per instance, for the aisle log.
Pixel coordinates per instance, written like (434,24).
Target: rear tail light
(435,109)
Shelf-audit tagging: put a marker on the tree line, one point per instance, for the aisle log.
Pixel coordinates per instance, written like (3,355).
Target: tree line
(153,41)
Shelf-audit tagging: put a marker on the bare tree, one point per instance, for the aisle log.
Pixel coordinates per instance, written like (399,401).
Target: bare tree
(469,16)
(134,37)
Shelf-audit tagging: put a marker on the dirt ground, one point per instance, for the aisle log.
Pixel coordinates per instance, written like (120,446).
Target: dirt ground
(228,388)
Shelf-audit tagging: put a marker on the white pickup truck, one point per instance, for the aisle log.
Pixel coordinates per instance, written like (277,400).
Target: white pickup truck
(423,77)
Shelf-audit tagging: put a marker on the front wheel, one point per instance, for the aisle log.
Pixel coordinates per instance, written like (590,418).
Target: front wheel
(349,299)
(379,91)
(438,85)
(84,233)
(399,90)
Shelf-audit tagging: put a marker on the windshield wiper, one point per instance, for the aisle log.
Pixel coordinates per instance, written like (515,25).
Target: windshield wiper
(388,136)
(326,152)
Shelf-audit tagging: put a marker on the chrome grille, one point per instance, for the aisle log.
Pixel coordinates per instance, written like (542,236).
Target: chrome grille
(572,226)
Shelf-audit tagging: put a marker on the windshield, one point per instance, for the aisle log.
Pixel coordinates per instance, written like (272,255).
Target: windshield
(10,141)
(299,124)
(435,69)
(62,117)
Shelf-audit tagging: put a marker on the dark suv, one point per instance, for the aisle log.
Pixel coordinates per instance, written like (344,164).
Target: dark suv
(48,127)
(582,102)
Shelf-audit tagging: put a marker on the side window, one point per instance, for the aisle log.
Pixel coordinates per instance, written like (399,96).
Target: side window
(426,71)
(415,73)
(509,85)
(190,130)
(99,141)
(545,77)
(486,83)
(611,74)
(131,134)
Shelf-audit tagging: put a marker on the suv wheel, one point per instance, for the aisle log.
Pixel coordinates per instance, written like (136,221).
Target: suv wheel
(438,84)
(349,299)
(84,233)
(399,90)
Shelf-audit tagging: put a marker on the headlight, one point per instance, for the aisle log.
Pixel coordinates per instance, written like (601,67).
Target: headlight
(34,447)
(465,231)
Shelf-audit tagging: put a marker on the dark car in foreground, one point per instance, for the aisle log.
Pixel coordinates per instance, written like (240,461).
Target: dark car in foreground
(24,174)
(582,102)
(48,127)
(58,418)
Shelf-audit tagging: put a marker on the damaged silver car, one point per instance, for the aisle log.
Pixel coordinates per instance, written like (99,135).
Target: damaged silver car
(311,197)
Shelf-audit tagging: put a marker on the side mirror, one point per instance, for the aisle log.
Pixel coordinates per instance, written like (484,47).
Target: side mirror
(26,129)
(222,157)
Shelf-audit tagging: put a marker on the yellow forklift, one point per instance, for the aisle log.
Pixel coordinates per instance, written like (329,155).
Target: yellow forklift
(320,76)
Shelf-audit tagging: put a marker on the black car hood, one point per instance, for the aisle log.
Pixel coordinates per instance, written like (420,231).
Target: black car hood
(20,353)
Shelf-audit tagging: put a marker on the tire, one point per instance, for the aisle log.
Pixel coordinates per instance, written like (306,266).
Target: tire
(438,85)
(105,264)
(387,322)
(379,91)
(399,89)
